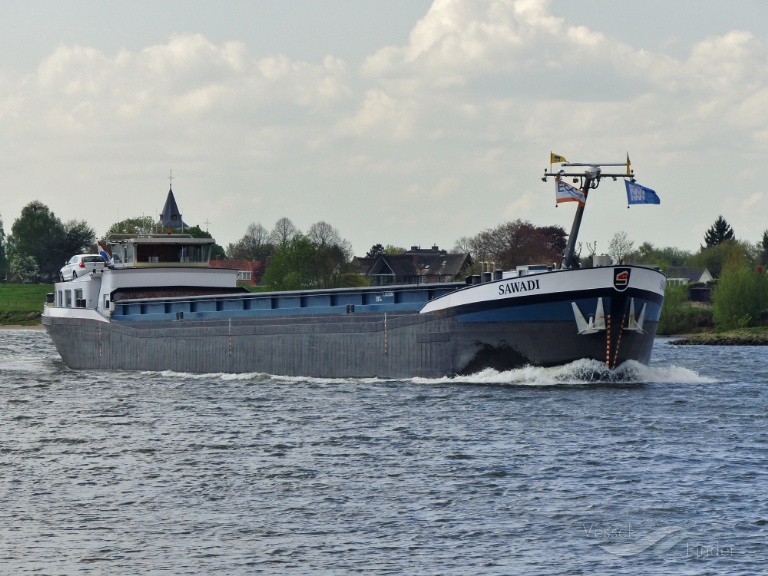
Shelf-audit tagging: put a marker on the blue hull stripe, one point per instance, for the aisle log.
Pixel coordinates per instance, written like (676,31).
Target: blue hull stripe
(557,307)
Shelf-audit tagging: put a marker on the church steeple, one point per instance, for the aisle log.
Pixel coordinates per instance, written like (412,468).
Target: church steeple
(170,216)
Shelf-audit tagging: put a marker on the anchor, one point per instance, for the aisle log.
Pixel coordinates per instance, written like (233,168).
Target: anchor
(635,325)
(595,323)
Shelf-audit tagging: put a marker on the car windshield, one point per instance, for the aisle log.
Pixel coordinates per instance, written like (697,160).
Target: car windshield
(93,259)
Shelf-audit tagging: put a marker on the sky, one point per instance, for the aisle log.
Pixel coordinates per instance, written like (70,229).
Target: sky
(403,122)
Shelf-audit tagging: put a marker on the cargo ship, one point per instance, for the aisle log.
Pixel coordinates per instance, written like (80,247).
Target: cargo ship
(159,306)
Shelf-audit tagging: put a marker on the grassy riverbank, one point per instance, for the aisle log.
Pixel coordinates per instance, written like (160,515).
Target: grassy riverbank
(21,304)
(739,337)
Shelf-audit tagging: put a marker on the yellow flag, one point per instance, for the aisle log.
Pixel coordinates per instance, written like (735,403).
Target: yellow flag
(628,165)
(556,158)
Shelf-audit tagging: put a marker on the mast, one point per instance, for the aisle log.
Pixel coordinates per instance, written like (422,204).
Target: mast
(589,179)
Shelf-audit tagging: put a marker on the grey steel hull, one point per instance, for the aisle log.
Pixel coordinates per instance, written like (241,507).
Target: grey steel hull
(357,345)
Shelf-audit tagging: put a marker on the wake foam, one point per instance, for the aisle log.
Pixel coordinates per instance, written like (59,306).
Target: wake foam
(580,373)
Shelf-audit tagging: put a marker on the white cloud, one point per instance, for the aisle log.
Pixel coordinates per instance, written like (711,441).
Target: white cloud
(444,134)
(380,115)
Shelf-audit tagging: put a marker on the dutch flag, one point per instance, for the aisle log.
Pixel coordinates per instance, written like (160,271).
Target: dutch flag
(103,252)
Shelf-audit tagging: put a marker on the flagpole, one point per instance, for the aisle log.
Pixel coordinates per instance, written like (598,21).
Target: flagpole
(589,177)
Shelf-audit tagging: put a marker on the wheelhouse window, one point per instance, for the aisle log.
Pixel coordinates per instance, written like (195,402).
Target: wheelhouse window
(128,255)
(160,253)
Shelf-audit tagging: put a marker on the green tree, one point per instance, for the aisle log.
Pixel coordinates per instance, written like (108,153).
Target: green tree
(3,257)
(38,233)
(320,259)
(464,245)
(78,238)
(332,255)
(763,249)
(253,246)
(145,225)
(515,243)
(329,265)
(731,252)
(664,258)
(216,250)
(375,251)
(718,233)
(134,225)
(673,311)
(24,269)
(739,297)
(290,267)
(620,247)
(283,232)
(670,256)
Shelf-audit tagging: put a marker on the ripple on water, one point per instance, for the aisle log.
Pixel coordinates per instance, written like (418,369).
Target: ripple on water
(570,470)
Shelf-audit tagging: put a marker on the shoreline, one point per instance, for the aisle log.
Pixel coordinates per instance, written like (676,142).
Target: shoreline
(730,338)
(739,337)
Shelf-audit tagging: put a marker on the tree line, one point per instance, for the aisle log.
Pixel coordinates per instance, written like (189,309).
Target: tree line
(740,289)
(39,243)
(721,250)
(319,258)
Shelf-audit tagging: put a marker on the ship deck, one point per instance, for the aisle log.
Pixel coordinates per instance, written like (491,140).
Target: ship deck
(401,298)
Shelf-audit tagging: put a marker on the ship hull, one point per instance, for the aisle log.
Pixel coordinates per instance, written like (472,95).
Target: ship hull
(461,335)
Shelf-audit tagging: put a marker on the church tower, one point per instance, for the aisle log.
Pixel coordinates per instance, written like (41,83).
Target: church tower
(170,216)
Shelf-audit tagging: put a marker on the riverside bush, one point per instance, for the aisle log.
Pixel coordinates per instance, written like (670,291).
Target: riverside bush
(739,298)
(676,317)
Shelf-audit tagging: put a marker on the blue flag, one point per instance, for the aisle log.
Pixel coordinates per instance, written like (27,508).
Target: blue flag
(637,194)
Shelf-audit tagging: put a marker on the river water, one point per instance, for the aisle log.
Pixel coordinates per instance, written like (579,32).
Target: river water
(576,470)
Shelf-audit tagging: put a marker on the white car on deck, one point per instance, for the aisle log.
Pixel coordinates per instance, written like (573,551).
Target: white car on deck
(80,265)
